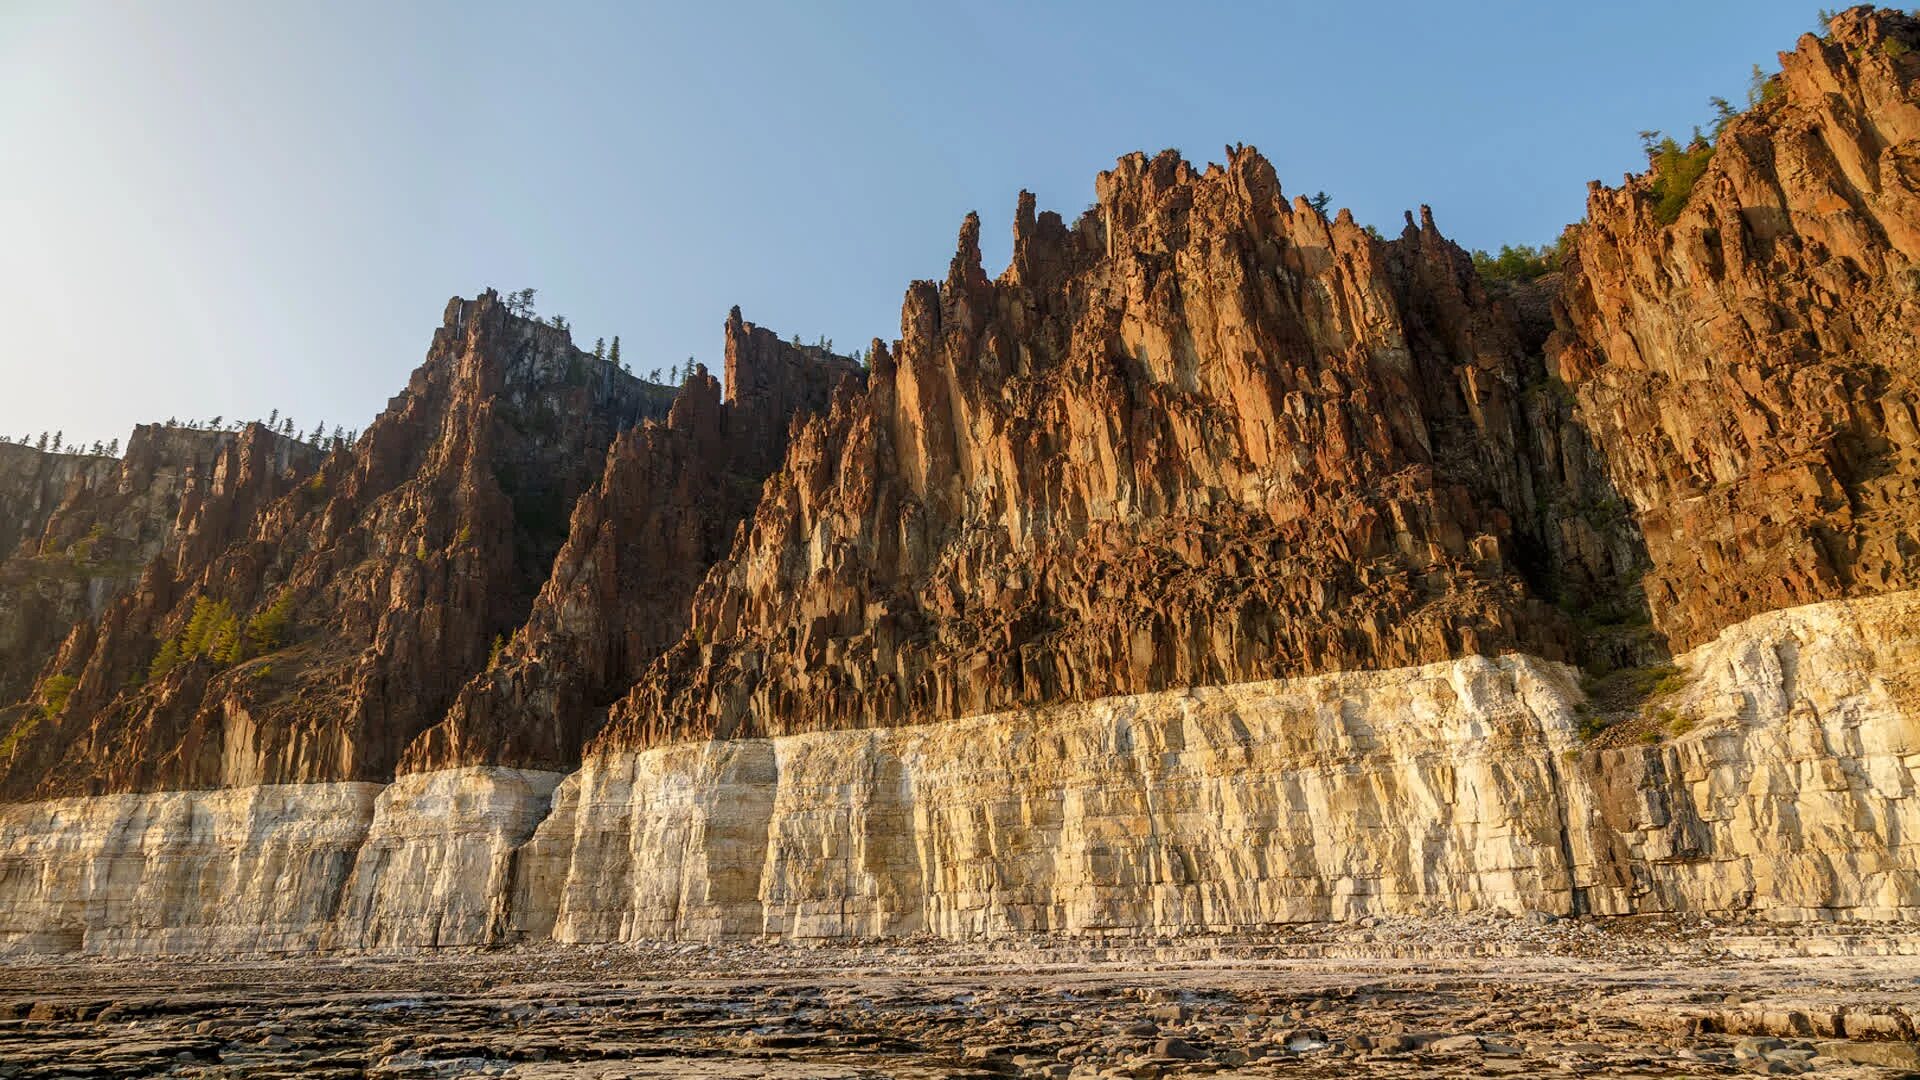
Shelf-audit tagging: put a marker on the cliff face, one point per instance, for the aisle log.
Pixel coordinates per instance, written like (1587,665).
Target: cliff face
(33,484)
(178,492)
(1204,436)
(1217,565)
(312,635)
(665,509)
(1452,787)
(1751,368)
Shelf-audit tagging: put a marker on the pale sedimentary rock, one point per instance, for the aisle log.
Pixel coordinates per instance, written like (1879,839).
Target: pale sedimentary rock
(1455,786)
(236,870)
(1797,787)
(438,862)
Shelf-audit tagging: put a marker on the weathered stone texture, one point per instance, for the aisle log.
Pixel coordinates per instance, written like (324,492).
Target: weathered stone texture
(1203,436)
(1451,787)
(179,493)
(665,509)
(1750,370)
(404,558)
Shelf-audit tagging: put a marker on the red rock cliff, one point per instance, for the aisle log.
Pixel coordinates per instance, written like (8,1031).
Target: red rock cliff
(1204,435)
(1749,369)
(86,526)
(665,509)
(391,570)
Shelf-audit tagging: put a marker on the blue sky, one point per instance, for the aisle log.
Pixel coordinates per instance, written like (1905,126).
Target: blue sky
(231,208)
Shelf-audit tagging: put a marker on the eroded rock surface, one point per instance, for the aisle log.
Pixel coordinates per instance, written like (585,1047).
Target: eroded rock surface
(1216,565)
(397,563)
(1204,436)
(1425,998)
(84,528)
(1457,787)
(1751,368)
(664,510)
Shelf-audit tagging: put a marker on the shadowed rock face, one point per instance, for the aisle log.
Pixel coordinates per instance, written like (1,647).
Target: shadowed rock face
(400,560)
(664,510)
(1203,436)
(80,529)
(1751,369)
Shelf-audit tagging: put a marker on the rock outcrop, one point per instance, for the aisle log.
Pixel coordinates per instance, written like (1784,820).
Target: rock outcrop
(1751,367)
(81,529)
(1460,786)
(664,510)
(1204,436)
(342,616)
(1218,565)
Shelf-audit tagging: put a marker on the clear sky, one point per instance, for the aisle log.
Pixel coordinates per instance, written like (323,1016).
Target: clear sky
(230,208)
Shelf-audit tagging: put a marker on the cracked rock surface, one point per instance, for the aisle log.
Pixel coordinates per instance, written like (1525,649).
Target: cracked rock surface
(1398,998)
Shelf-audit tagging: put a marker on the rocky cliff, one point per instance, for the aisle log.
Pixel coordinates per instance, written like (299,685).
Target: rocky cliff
(1460,786)
(1216,565)
(82,528)
(1203,436)
(1750,367)
(310,635)
(664,510)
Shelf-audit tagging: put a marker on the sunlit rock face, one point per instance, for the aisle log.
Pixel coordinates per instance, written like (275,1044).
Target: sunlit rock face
(1460,786)
(76,531)
(399,561)
(1750,369)
(664,510)
(1203,436)
(1216,565)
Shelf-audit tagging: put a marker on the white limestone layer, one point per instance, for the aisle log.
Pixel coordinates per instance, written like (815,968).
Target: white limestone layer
(1792,788)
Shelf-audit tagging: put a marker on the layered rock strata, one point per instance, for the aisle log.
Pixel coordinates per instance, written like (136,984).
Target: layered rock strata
(1452,787)
(1217,565)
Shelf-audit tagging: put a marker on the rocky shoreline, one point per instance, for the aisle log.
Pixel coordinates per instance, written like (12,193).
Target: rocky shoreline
(1489,996)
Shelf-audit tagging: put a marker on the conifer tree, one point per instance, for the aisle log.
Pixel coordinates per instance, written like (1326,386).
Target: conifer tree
(599,348)
(113,447)
(165,660)
(56,441)
(613,354)
(42,444)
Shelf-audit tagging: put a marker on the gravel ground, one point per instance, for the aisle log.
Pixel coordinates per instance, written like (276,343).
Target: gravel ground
(1393,998)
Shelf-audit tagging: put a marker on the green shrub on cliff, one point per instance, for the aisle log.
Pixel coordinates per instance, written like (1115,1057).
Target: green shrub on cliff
(1517,263)
(267,630)
(55,692)
(1676,169)
(165,660)
(215,633)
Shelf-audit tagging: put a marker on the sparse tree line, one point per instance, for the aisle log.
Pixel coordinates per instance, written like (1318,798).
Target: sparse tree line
(1677,167)
(55,443)
(216,633)
(521,304)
